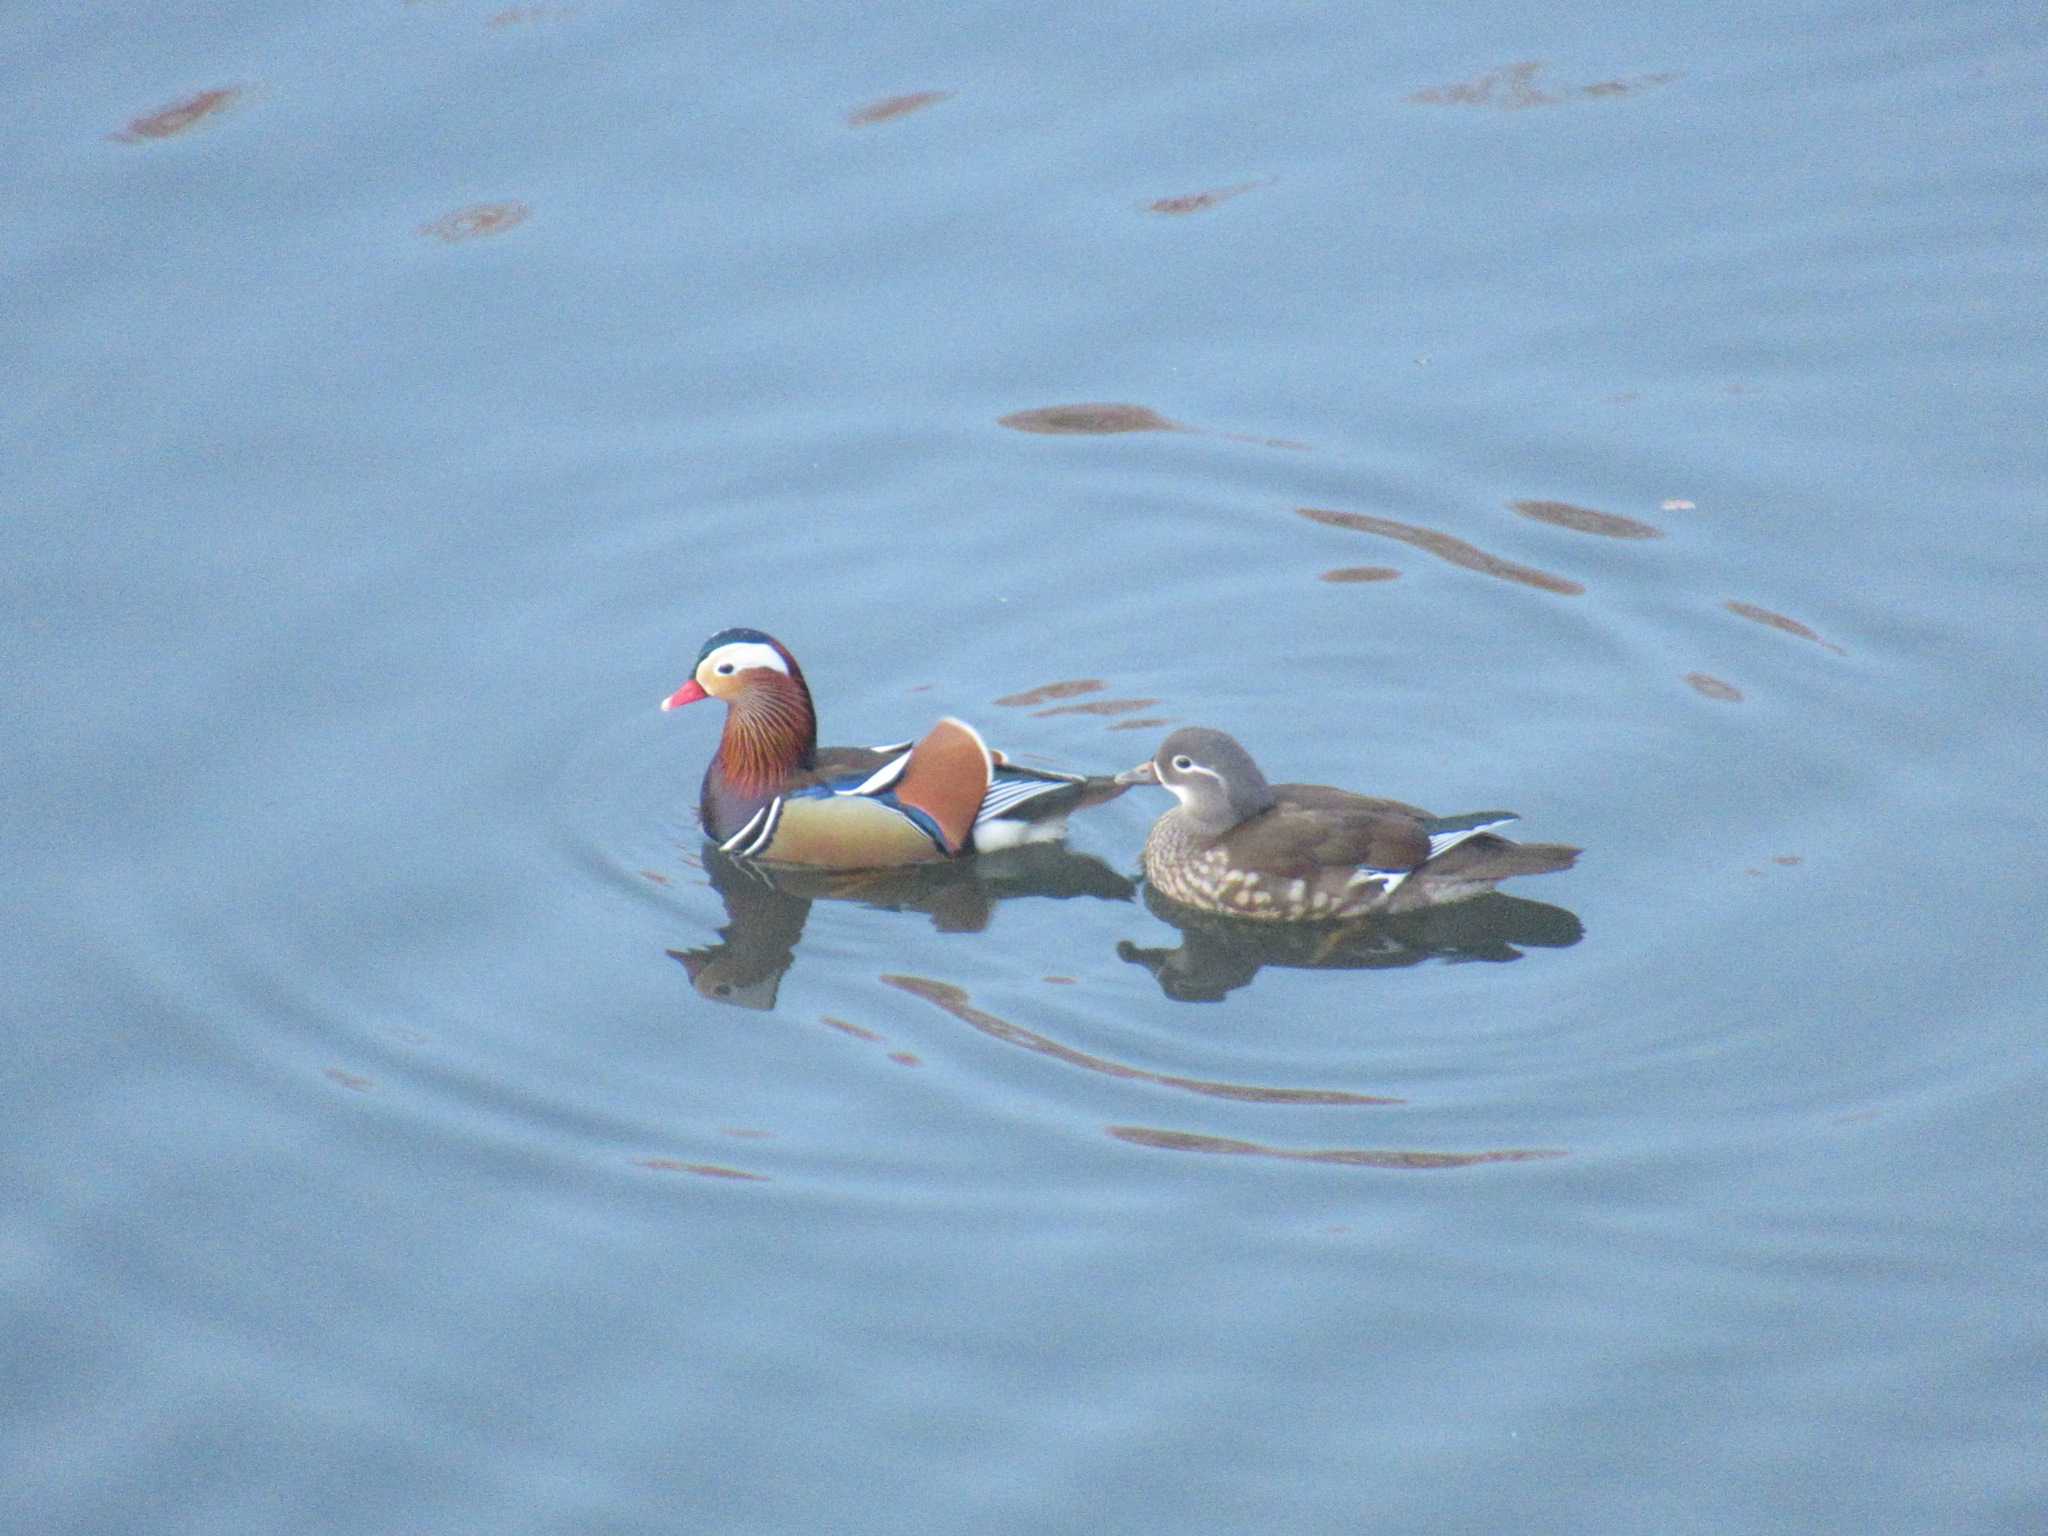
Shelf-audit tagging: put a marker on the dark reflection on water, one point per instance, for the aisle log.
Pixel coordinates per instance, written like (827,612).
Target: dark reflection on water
(1075,689)
(1198,202)
(702,1170)
(955,1000)
(758,941)
(1563,514)
(476,221)
(845,1027)
(1095,707)
(1102,419)
(1714,688)
(1048,691)
(1444,547)
(179,116)
(889,108)
(1513,87)
(1348,1157)
(1780,622)
(527,15)
(1217,954)
(766,908)
(869,1037)
(1351,573)
(1088,420)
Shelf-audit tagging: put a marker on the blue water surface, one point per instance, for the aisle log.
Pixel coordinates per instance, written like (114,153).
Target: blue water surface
(410,1131)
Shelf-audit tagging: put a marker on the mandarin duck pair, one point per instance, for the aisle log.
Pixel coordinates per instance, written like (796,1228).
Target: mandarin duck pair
(1234,844)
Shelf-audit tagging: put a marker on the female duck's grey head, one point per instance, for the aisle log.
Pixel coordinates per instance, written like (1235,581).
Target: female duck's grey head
(1214,778)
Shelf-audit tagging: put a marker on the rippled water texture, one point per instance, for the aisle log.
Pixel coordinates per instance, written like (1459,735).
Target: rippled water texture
(1627,420)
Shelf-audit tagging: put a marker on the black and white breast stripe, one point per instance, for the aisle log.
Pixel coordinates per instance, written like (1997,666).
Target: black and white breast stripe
(756,833)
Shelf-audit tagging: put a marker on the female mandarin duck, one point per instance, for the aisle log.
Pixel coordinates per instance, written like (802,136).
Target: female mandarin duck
(1304,852)
(771,793)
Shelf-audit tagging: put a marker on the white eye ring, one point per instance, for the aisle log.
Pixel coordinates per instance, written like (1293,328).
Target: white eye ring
(1183,763)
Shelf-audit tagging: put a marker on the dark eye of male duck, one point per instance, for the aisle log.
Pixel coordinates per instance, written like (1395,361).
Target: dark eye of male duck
(772,793)
(1305,852)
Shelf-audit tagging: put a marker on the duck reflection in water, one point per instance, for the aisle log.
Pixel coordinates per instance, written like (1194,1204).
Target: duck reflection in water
(1218,954)
(766,906)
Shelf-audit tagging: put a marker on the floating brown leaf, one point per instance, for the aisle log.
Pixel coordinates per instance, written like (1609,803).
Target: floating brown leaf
(1361,573)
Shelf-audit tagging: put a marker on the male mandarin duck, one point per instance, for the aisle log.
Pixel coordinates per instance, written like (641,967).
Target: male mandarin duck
(771,793)
(1305,852)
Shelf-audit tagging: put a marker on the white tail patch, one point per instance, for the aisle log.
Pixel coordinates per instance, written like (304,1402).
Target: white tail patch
(995,836)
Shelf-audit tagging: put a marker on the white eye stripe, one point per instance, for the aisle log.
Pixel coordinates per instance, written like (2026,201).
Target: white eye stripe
(741,655)
(1184,791)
